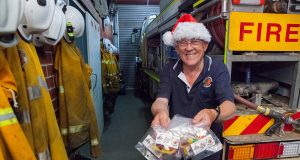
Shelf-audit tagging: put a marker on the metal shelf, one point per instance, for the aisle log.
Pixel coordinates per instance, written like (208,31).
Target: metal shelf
(168,14)
(153,75)
(91,9)
(271,57)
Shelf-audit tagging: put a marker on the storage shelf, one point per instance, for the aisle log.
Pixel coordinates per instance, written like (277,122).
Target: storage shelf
(153,75)
(254,57)
(90,7)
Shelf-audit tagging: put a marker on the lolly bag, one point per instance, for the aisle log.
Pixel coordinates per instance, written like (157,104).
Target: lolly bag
(161,143)
(195,141)
(145,152)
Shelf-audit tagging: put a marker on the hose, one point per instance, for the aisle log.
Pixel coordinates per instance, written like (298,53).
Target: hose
(217,27)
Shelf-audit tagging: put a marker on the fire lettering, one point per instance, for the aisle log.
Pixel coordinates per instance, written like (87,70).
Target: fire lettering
(275,32)
(258,36)
(269,31)
(289,31)
(243,30)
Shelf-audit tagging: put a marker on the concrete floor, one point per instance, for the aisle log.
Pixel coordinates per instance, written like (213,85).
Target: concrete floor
(129,122)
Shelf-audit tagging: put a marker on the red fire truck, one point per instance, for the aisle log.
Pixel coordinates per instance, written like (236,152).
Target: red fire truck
(259,41)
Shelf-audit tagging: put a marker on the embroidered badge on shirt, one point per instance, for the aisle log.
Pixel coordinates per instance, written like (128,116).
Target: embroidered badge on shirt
(207,82)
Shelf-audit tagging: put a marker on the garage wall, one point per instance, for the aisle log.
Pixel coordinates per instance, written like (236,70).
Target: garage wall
(130,16)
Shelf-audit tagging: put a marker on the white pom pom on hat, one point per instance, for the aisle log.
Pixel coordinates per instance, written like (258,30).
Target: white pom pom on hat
(168,38)
(186,27)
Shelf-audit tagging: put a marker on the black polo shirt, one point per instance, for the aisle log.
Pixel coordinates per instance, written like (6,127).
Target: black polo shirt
(211,88)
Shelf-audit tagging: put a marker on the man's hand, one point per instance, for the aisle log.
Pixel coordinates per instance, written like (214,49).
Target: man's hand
(160,112)
(161,118)
(205,118)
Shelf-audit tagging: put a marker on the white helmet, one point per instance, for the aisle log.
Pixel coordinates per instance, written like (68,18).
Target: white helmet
(75,24)
(36,40)
(37,17)
(8,40)
(56,30)
(11,12)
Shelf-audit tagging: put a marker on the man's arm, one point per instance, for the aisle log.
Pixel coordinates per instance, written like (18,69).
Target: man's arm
(207,116)
(160,111)
(227,110)
(224,97)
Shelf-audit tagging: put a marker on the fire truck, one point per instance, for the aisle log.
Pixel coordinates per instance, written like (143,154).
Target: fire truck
(259,41)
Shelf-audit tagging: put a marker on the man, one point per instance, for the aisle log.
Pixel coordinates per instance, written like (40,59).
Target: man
(195,86)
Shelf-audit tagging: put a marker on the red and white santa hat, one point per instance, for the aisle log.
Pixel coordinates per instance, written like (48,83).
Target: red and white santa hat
(186,27)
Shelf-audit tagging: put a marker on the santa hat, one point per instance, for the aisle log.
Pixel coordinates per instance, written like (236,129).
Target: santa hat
(186,27)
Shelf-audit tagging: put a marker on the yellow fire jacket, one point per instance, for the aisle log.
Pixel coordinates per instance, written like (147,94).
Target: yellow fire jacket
(78,122)
(47,140)
(13,142)
(23,110)
(6,77)
(110,72)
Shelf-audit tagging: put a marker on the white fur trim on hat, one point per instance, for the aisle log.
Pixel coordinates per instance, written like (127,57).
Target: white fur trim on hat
(168,39)
(190,30)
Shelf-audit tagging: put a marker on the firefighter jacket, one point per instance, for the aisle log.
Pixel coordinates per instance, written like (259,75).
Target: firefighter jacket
(36,109)
(13,142)
(110,72)
(78,122)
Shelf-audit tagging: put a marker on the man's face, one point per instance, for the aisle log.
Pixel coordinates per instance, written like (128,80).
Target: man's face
(191,52)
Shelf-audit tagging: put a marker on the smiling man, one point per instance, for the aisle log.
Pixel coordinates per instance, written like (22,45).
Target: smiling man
(196,86)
